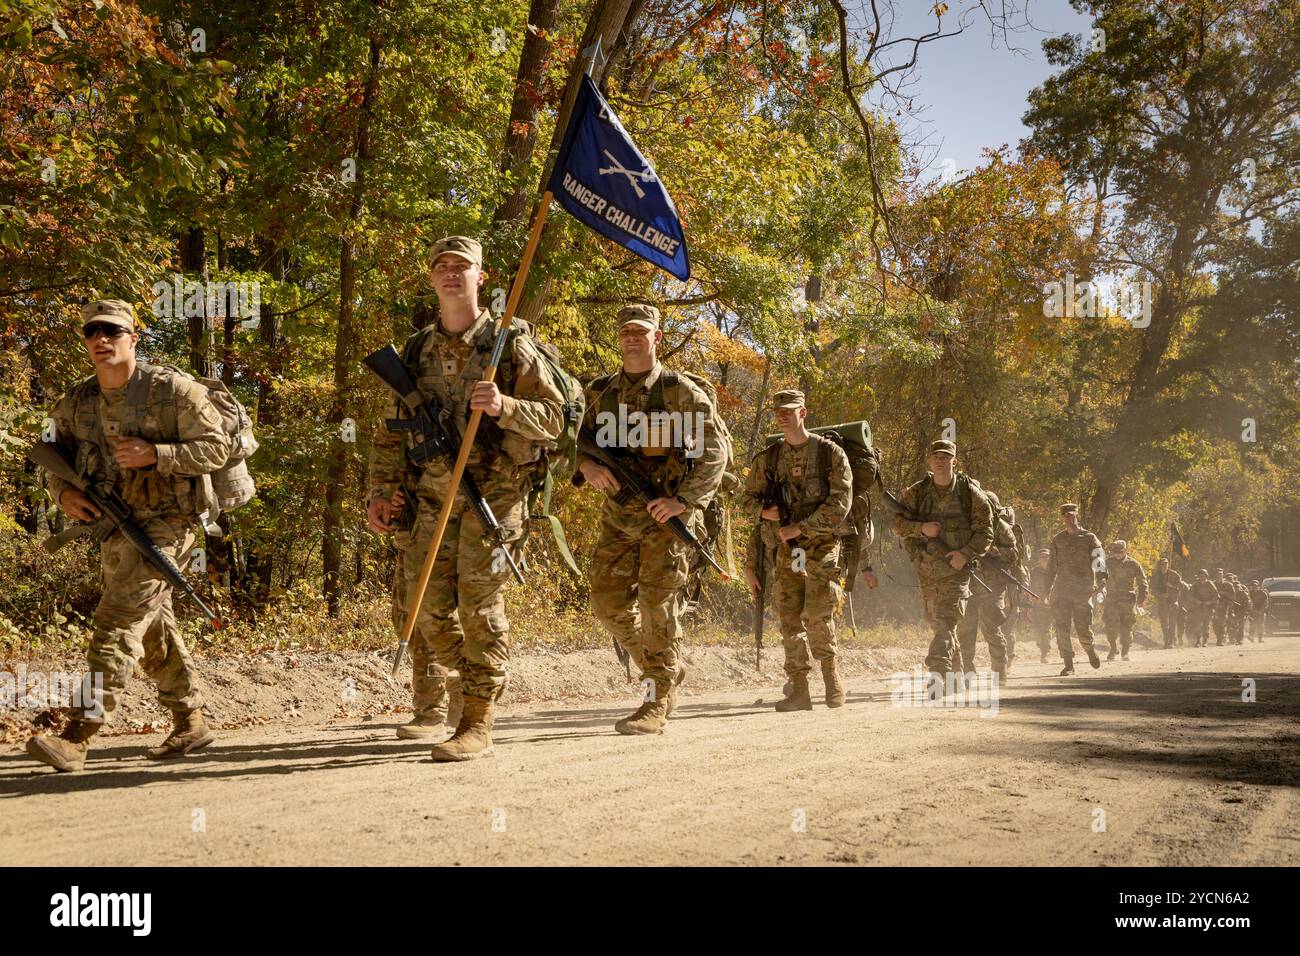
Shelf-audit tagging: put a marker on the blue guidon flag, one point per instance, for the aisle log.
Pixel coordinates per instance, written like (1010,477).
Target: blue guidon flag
(601,179)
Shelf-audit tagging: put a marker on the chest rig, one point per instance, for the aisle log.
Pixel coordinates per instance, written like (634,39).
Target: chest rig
(665,465)
(952,511)
(148,411)
(804,493)
(448,377)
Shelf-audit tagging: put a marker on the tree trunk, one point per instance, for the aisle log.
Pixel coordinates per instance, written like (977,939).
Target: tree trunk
(345,345)
(525,109)
(609,20)
(193,259)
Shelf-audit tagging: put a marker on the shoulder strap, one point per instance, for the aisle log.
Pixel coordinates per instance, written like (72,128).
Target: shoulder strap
(824,457)
(771,454)
(413,347)
(667,378)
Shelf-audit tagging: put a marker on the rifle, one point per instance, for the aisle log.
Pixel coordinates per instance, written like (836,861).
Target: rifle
(932,545)
(998,569)
(633,485)
(433,436)
(117,516)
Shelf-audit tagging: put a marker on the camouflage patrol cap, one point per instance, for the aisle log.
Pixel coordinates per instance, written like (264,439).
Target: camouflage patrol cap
(788,398)
(1068,507)
(1254,582)
(463,246)
(1118,545)
(944,446)
(1044,550)
(112,311)
(642,316)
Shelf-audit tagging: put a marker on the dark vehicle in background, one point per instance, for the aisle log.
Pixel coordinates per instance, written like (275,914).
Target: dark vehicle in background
(1283,603)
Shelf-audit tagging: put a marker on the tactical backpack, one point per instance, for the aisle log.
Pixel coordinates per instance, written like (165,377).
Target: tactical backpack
(231,485)
(558,457)
(854,439)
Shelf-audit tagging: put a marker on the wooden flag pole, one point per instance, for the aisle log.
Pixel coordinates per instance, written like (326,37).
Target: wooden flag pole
(462,458)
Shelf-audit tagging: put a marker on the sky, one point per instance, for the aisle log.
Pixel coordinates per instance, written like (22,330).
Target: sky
(970,89)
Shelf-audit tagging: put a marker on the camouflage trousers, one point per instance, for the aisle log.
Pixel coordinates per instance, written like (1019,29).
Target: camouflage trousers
(429,679)
(462,618)
(1220,624)
(1169,623)
(134,622)
(1118,616)
(945,605)
(1198,625)
(638,572)
(806,602)
(985,612)
(1041,620)
(1237,627)
(1257,626)
(1072,610)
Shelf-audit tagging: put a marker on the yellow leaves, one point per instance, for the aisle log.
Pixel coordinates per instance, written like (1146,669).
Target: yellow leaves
(726,351)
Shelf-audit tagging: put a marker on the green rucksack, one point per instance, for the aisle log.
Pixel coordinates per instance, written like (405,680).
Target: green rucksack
(854,439)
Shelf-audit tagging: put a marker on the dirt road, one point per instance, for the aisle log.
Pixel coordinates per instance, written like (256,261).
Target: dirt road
(1155,761)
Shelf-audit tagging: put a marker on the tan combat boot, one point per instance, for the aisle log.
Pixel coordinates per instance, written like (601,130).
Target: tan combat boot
(473,736)
(436,722)
(66,752)
(189,733)
(834,689)
(798,698)
(649,718)
(671,702)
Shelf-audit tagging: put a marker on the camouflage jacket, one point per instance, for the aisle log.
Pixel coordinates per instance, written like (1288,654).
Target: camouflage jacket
(1166,586)
(1070,570)
(1126,581)
(971,534)
(446,370)
(1205,596)
(168,409)
(819,503)
(686,462)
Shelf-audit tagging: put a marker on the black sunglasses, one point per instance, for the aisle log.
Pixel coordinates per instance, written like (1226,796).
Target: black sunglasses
(102,328)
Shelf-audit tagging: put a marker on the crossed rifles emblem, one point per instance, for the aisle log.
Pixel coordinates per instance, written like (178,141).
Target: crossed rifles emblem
(646,175)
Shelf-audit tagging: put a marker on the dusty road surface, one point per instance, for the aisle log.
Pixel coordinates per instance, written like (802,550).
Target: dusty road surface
(1155,761)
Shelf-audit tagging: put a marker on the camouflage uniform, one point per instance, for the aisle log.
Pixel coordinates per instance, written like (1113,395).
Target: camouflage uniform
(1126,588)
(817,484)
(1167,589)
(1184,605)
(1041,614)
(987,610)
(945,590)
(134,619)
(640,568)
(1072,581)
(461,624)
(1224,589)
(1203,602)
(1240,611)
(435,693)
(1258,611)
